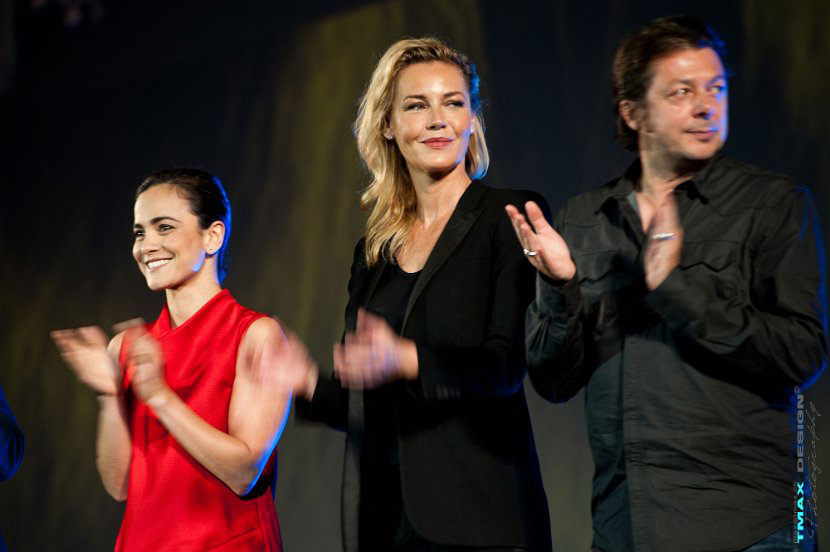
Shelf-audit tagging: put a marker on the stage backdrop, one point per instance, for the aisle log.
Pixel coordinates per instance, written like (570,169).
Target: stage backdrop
(97,94)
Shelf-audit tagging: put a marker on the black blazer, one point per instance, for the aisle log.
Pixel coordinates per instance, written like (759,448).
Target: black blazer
(468,464)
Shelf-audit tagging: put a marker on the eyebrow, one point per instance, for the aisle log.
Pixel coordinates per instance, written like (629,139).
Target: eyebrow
(423,97)
(719,76)
(156,220)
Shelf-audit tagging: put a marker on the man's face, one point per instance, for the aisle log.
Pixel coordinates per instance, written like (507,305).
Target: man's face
(685,114)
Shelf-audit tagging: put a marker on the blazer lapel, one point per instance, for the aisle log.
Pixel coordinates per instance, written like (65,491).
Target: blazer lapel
(465,214)
(350,497)
(365,293)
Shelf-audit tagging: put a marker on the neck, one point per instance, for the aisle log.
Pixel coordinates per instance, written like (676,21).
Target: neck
(185,300)
(436,197)
(659,178)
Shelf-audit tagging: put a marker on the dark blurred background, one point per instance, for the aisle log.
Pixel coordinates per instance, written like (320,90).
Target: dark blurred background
(94,94)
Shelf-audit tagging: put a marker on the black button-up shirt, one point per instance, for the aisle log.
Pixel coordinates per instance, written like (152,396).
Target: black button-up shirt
(688,388)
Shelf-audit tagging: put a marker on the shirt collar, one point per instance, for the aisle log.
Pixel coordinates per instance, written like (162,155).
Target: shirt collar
(700,185)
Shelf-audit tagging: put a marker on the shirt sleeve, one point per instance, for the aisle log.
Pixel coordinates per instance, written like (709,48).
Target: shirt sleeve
(773,330)
(554,335)
(496,366)
(554,339)
(11,441)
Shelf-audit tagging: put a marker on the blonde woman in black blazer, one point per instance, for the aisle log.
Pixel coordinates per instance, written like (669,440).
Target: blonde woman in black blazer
(439,453)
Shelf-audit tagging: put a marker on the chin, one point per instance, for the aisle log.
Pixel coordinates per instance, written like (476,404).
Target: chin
(155,286)
(703,152)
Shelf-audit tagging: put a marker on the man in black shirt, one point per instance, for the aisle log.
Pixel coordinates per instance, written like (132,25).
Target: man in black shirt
(687,298)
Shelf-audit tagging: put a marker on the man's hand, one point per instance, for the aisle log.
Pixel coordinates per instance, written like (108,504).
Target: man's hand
(543,246)
(665,241)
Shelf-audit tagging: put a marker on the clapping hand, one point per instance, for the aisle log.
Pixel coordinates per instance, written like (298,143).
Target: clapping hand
(145,361)
(374,354)
(665,241)
(543,246)
(84,350)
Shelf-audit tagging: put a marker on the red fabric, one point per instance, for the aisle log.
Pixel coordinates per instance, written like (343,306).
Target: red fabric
(173,503)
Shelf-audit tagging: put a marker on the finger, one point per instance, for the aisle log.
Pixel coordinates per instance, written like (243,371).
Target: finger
(128,325)
(93,335)
(531,241)
(516,220)
(375,325)
(536,217)
(62,339)
(337,357)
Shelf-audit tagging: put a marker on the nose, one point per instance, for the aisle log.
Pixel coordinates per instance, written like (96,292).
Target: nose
(436,120)
(705,108)
(149,244)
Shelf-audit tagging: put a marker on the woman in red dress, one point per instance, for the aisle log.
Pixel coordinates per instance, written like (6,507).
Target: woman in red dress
(190,406)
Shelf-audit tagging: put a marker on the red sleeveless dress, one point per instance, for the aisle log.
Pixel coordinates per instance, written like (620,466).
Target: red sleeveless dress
(173,503)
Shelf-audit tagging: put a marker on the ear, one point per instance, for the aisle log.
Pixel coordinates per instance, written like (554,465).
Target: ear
(630,113)
(214,237)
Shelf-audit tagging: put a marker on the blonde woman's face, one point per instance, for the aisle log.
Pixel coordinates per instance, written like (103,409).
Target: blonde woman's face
(431,118)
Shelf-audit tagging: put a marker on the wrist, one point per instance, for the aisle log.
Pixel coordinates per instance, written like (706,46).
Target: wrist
(107,399)
(159,399)
(408,359)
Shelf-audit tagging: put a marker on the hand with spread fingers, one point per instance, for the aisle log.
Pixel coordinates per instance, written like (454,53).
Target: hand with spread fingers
(84,350)
(665,241)
(543,246)
(374,354)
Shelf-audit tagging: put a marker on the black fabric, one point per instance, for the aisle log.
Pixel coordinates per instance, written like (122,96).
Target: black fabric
(11,446)
(688,388)
(468,466)
(11,440)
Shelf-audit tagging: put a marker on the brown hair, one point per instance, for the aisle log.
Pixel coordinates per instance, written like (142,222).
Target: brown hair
(205,196)
(631,72)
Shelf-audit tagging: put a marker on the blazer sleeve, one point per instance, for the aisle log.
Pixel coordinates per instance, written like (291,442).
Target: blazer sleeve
(495,367)
(11,441)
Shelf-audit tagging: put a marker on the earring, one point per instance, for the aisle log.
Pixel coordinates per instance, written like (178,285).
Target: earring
(388,135)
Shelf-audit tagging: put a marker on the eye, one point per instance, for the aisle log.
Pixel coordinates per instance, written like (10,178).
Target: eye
(165,227)
(414,106)
(456,103)
(680,92)
(719,89)
(138,234)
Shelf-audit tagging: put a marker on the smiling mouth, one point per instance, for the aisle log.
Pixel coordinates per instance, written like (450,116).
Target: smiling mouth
(437,143)
(152,265)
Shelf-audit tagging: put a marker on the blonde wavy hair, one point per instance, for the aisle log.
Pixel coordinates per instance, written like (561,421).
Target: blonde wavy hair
(390,198)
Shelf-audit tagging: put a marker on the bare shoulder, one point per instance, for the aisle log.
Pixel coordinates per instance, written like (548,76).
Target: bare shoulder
(261,331)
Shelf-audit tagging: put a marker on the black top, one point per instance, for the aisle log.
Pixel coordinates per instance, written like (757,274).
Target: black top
(688,388)
(388,302)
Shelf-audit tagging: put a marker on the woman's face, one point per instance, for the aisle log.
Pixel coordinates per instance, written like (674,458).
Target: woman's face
(431,118)
(170,247)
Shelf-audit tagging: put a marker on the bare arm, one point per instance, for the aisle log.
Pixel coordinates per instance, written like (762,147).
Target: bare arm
(94,363)
(113,445)
(269,366)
